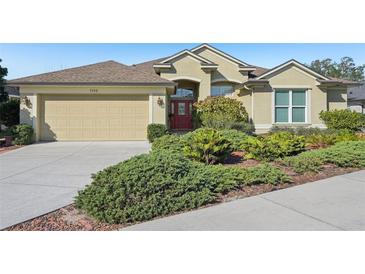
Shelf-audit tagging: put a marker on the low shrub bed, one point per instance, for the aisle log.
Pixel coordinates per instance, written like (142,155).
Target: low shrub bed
(320,138)
(158,184)
(343,154)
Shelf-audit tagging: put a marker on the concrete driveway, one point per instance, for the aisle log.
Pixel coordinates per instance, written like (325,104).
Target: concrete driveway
(43,177)
(336,203)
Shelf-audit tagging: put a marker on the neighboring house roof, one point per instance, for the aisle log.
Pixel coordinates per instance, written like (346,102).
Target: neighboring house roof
(356,93)
(105,73)
(12,91)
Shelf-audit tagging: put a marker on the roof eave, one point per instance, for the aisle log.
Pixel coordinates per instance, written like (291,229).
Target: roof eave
(254,83)
(162,84)
(337,83)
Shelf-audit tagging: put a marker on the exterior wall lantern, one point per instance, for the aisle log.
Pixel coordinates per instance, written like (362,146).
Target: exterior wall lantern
(159,101)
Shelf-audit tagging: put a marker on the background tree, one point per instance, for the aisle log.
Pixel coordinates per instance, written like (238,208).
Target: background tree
(9,112)
(345,69)
(3,94)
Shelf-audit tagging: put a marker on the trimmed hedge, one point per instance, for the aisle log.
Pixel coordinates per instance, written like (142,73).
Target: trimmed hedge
(155,131)
(158,184)
(23,134)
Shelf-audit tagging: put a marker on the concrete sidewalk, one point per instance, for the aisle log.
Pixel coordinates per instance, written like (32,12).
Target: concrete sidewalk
(336,203)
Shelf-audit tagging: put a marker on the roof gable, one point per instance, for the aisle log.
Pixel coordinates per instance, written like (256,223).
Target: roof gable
(289,63)
(221,53)
(186,52)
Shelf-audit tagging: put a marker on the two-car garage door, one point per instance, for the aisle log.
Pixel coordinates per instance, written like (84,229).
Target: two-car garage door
(94,117)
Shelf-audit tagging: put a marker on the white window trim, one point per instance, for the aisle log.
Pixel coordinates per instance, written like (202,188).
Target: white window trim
(290,107)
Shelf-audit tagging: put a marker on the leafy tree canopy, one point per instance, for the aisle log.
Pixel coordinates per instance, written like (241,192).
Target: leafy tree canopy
(3,95)
(345,69)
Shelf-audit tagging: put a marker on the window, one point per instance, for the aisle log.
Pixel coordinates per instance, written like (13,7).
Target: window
(290,106)
(221,90)
(183,92)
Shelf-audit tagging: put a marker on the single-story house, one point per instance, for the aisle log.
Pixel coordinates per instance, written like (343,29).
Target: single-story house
(356,98)
(112,101)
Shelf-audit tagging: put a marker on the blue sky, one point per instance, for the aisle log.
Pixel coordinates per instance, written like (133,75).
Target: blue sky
(29,59)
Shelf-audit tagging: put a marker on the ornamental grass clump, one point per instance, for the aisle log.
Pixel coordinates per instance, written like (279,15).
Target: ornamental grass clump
(208,146)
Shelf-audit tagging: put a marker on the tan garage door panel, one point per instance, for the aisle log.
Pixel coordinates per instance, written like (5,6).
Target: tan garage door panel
(94,117)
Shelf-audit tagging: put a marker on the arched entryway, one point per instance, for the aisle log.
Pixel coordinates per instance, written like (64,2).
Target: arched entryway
(181,105)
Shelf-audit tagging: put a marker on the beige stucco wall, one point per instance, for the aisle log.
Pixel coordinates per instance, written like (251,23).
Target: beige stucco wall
(293,77)
(188,68)
(31,114)
(245,96)
(159,114)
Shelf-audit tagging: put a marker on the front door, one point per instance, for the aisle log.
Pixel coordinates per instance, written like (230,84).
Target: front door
(181,114)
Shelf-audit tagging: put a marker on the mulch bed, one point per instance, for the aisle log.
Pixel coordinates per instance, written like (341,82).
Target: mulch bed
(67,218)
(9,148)
(70,218)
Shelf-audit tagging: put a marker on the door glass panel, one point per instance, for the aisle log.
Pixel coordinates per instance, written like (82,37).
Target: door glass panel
(281,114)
(172,110)
(190,108)
(181,109)
(298,98)
(298,115)
(282,97)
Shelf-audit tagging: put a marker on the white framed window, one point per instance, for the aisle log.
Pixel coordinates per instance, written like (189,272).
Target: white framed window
(224,90)
(290,106)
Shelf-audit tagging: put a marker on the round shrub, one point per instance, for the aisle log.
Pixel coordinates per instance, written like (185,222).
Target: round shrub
(221,112)
(155,131)
(343,119)
(144,187)
(208,146)
(23,134)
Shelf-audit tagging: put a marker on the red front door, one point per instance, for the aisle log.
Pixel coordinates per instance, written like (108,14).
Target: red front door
(181,114)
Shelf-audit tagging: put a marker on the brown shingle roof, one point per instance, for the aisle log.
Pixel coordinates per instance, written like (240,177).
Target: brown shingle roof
(148,66)
(108,73)
(258,71)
